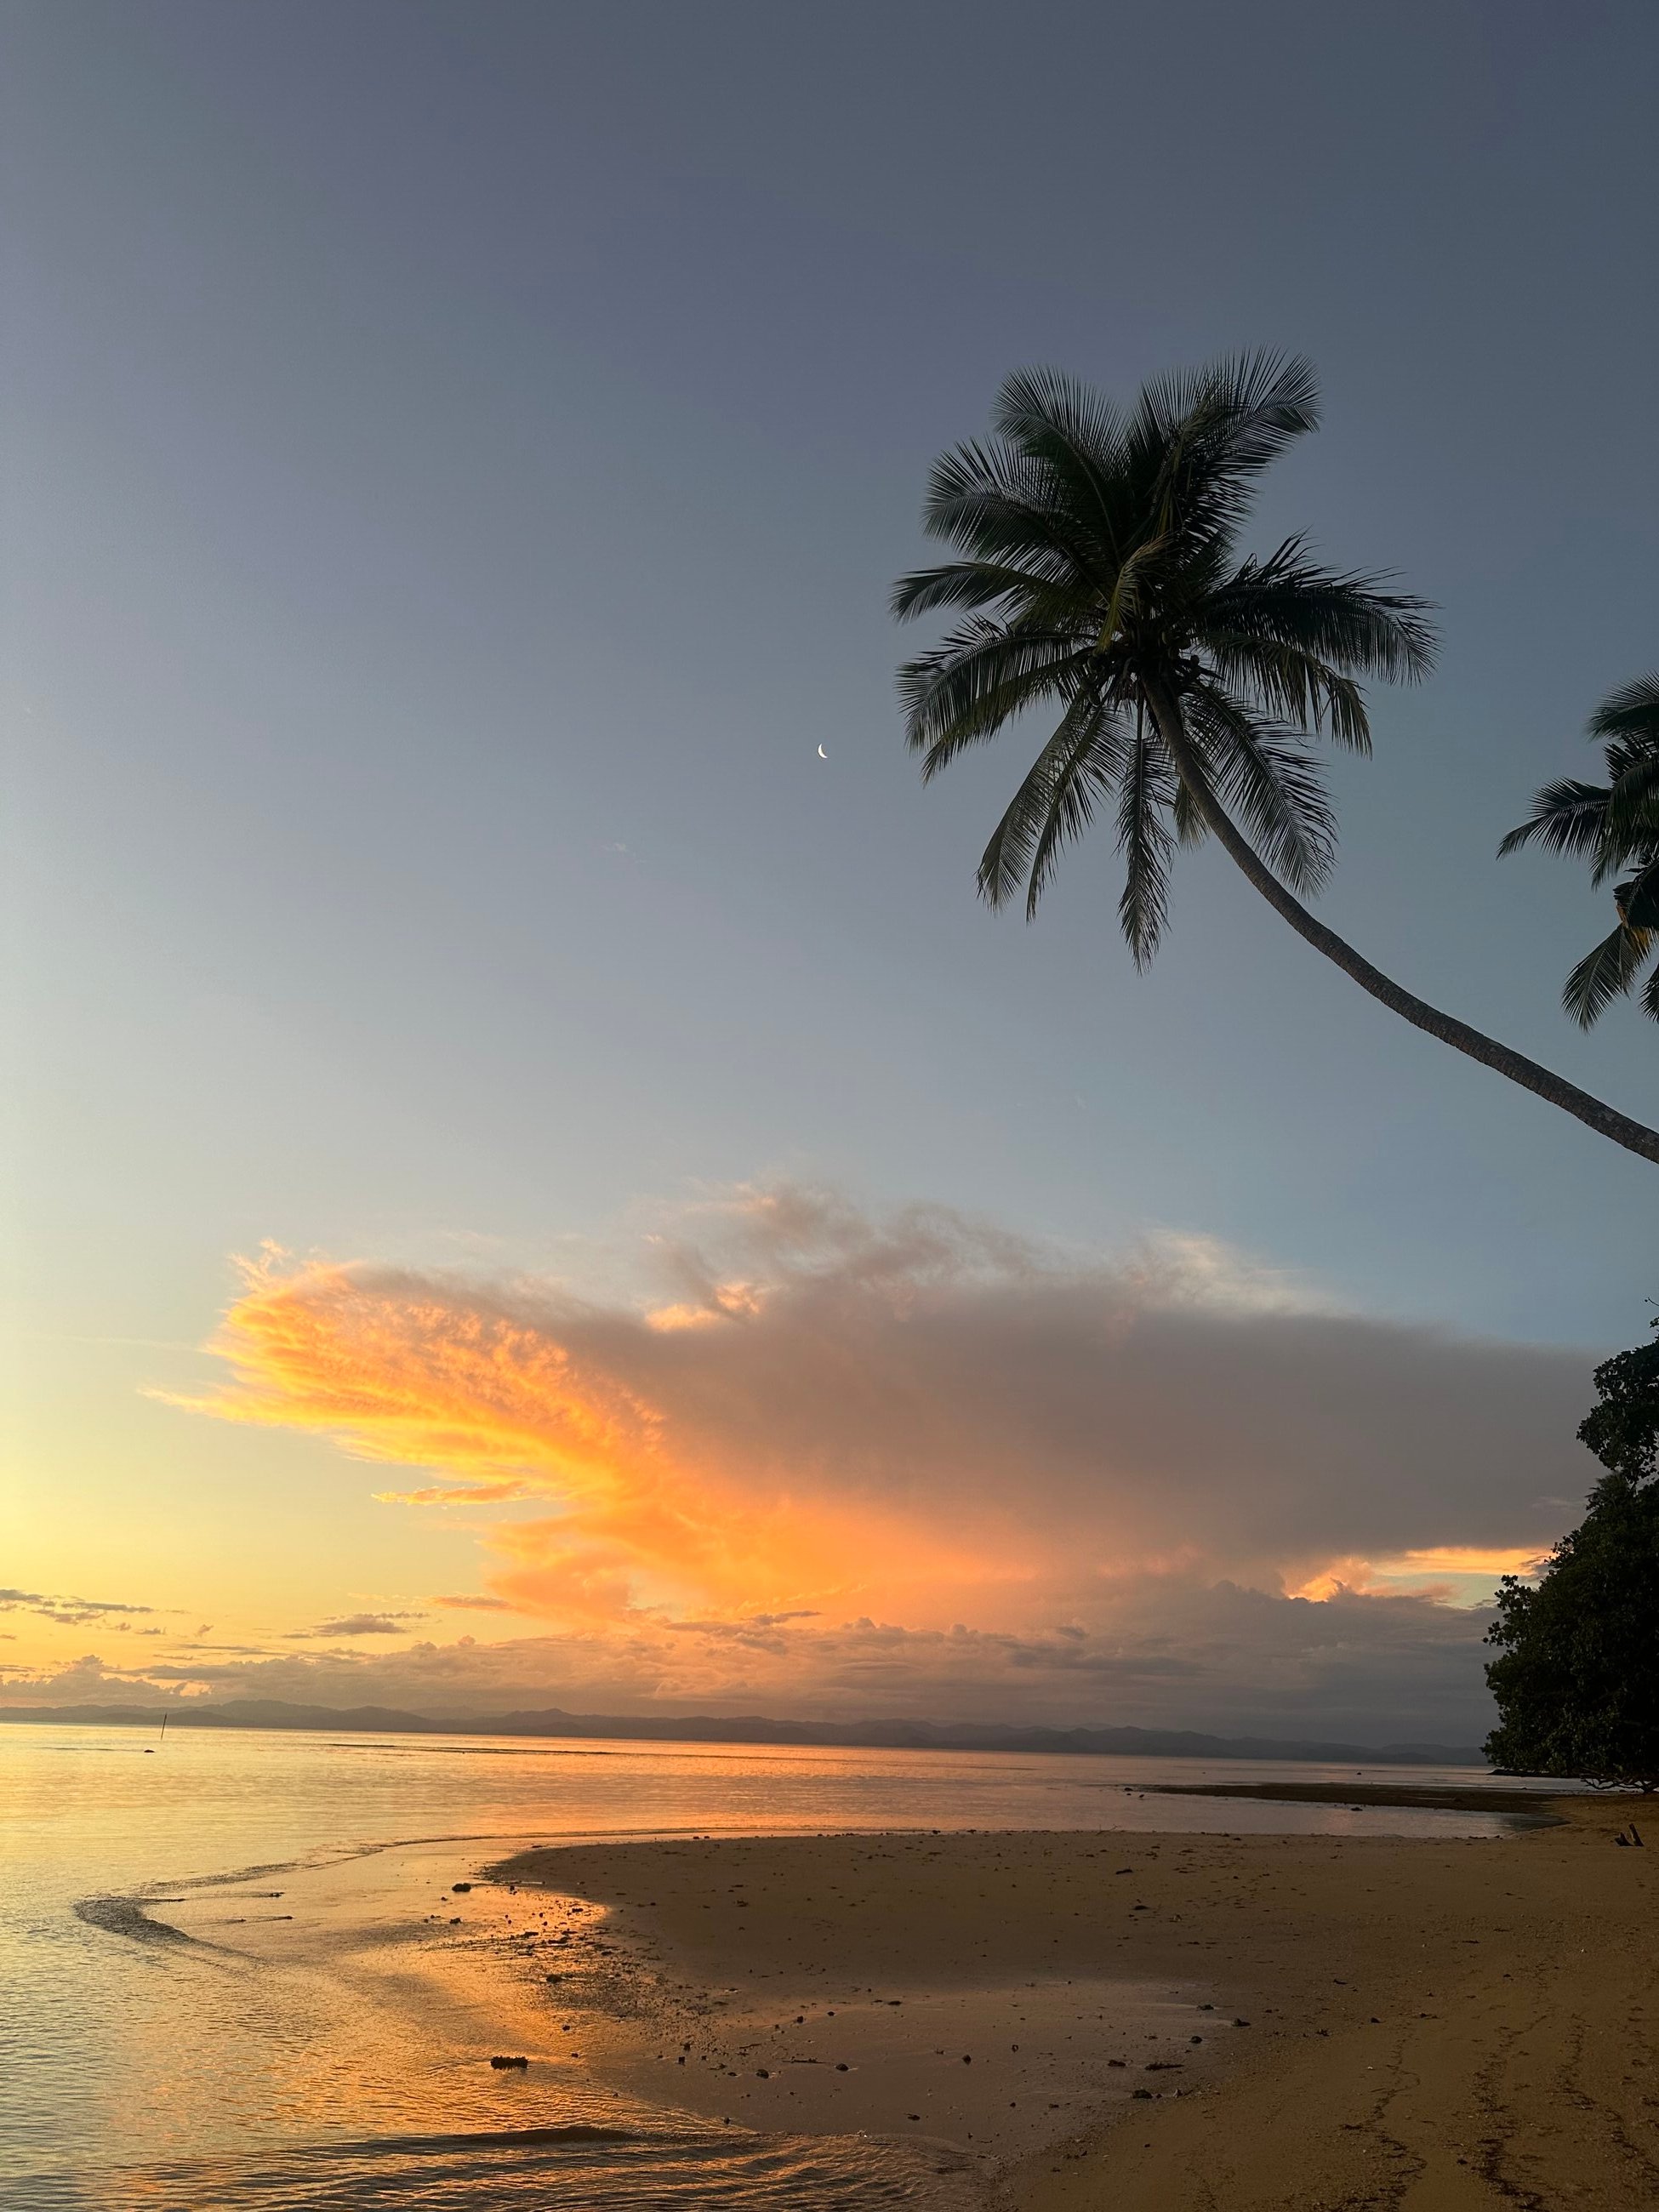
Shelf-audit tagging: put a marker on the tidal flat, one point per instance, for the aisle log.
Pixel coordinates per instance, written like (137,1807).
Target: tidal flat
(1278,2023)
(268,1972)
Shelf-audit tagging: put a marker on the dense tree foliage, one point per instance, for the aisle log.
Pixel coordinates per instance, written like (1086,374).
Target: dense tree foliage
(1577,1680)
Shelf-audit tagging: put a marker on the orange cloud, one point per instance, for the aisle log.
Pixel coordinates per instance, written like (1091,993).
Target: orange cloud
(398,1368)
(916,1420)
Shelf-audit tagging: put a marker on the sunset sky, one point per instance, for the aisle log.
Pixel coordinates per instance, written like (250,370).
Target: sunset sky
(533,1186)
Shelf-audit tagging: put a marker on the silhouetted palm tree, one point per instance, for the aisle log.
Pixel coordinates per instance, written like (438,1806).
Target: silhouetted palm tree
(1102,581)
(1615,825)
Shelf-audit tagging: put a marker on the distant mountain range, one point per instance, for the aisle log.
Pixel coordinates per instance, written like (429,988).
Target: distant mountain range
(892,1736)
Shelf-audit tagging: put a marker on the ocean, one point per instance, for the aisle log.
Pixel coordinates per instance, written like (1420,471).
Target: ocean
(236,1980)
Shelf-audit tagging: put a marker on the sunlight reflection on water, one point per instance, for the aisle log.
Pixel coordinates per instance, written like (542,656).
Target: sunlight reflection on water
(278,2064)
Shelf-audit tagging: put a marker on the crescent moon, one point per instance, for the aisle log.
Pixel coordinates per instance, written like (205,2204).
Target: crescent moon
(822,754)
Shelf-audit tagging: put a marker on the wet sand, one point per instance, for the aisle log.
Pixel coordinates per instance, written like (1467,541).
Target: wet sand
(1516,1805)
(1440,2025)
(888,1986)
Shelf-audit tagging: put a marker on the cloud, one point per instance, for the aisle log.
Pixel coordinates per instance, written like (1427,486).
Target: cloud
(361,1624)
(85,1680)
(820,1420)
(68,1612)
(1220,1656)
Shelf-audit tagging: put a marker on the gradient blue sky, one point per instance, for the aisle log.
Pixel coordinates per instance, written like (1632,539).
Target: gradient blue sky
(458,457)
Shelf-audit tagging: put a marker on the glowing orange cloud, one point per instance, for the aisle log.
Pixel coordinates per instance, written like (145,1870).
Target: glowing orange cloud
(917,1419)
(395,1368)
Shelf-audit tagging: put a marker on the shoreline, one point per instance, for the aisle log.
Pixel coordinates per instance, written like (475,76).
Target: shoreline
(1462,2023)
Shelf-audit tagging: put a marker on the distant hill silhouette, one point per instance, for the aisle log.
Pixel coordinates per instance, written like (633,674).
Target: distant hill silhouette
(876,1735)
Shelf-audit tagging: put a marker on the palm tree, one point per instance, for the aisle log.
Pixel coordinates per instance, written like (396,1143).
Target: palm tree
(1101,582)
(1615,825)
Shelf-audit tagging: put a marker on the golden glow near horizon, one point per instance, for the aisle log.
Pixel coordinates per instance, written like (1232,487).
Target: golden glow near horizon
(1441,1571)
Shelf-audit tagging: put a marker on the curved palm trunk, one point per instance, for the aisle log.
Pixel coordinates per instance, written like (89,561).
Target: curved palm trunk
(1606,1121)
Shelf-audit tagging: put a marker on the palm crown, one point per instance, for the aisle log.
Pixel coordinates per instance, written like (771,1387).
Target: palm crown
(1102,582)
(1615,826)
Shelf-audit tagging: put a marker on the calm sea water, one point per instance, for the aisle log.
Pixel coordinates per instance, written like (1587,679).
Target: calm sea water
(226,1987)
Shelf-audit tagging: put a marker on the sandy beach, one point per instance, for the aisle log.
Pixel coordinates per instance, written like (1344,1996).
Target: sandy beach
(1172,2023)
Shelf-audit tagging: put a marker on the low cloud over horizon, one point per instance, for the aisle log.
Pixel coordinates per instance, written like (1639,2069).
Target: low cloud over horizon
(837,1465)
(69,1612)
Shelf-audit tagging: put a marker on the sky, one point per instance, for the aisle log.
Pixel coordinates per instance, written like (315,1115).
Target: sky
(531,1181)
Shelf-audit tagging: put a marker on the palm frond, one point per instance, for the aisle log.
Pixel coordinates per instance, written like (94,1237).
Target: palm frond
(1631,711)
(965,688)
(994,503)
(1145,794)
(1273,782)
(1262,401)
(1187,815)
(1214,430)
(1634,799)
(1622,846)
(1239,412)
(1295,686)
(1136,574)
(1078,435)
(1605,975)
(1055,804)
(1638,900)
(1567,815)
(1045,411)
(978,584)
(1344,618)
